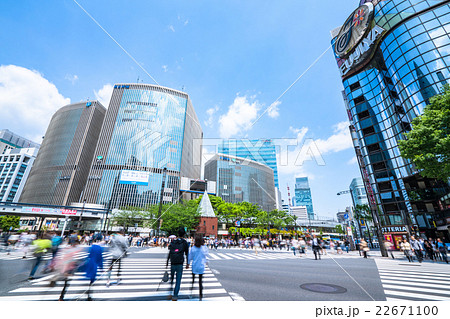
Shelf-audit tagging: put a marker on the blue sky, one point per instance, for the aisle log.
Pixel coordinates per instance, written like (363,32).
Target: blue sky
(234,59)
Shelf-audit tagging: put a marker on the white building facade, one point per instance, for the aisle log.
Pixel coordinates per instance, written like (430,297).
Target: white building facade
(15,166)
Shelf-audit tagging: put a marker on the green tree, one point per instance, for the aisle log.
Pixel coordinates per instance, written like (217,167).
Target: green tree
(129,217)
(8,222)
(427,145)
(179,215)
(338,229)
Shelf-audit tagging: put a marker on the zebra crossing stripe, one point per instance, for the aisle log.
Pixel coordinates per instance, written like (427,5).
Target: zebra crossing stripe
(413,279)
(415,284)
(407,275)
(224,256)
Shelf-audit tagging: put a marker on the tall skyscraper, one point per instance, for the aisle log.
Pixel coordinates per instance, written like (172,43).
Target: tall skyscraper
(303,195)
(393,57)
(358,192)
(9,140)
(242,180)
(147,129)
(15,166)
(62,165)
(262,151)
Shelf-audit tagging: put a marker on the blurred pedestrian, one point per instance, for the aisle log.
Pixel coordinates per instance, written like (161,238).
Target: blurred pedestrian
(416,248)
(442,249)
(389,247)
(316,247)
(41,246)
(95,262)
(365,247)
(406,248)
(198,255)
(177,249)
(67,264)
(118,246)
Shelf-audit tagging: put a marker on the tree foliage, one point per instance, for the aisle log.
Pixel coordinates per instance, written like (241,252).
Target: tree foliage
(427,145)
(9,222)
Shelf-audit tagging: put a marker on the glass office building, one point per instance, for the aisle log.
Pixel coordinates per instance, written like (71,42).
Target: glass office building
(303,195)
(62,164)
(147,129)
(242,180)
(393,55)
(262,151)
(358,192)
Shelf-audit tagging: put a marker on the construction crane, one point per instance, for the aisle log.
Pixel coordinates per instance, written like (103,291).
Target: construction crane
(343,192)
(289,195)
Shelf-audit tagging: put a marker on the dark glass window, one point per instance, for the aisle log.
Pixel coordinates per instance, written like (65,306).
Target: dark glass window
(355,85)
(359,99)
(368,130)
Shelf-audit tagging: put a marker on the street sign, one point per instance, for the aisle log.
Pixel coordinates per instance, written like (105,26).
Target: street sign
(237,223)
(349,231)
(346,216)
(362,222)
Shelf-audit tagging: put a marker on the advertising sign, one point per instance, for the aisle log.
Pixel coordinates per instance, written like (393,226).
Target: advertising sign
(134,177)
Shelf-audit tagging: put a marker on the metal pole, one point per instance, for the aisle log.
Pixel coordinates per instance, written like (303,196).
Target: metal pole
(64,227)
(106,218)
(161,199)
(81,214)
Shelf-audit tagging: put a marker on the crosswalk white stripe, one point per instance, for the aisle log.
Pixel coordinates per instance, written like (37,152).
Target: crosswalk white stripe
(434,274)
(417,289)
(409,279)
(235,256)
(411,276)
(129,281)
(214,256)
(184,284)
(415,284)
(408,293)
(110,295)
(246,256)
(224,256)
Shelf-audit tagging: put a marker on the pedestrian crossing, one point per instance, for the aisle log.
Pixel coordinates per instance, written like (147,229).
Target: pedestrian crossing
(140,279)
(413,281)
(46,257)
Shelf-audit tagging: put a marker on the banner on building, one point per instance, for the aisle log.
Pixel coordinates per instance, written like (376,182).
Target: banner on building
(134,177)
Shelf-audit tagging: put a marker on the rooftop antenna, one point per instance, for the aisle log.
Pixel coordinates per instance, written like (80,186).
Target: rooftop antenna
(137,81)
(182,88)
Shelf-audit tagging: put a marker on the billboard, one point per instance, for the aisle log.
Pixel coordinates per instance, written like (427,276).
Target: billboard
(134,177)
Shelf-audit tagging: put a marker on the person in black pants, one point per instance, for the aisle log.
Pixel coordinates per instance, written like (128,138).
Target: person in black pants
(316,246)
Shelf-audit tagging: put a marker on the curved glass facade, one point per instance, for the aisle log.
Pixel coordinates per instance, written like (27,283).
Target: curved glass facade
(410,64)
(242,180)
(147,128)
(60,171)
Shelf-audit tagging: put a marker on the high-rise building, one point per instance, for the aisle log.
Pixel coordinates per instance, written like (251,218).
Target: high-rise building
(358,192)
(303,195)
(9,140)
(15,166)
(394,55)
(300,212)
(242,180)
(149,136)
(261,151)
(61,168)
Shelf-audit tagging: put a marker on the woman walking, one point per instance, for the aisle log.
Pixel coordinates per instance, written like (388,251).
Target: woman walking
(198,256)
(365,247)
(95,262)
(406,248)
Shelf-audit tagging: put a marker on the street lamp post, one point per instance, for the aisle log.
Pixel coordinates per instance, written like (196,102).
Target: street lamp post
(81,214)
(161,199)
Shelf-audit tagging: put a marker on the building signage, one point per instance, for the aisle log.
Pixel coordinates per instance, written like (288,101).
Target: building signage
(49,211)
(361,49)
(353,30)
(134,177)
(394,229)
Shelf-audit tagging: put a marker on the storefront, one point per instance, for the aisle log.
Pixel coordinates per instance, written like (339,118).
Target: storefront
(395,234)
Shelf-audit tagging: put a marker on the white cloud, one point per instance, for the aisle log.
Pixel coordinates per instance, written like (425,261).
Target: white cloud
(186,22)
(339,141)
(353,161)
(273,110)
(239,117)
(310,150)
(27,101)
(104,94)
(71,78)
(165,68)
(210,112)
(171,28)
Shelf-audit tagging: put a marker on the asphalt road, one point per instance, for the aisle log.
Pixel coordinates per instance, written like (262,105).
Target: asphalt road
(280,280)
